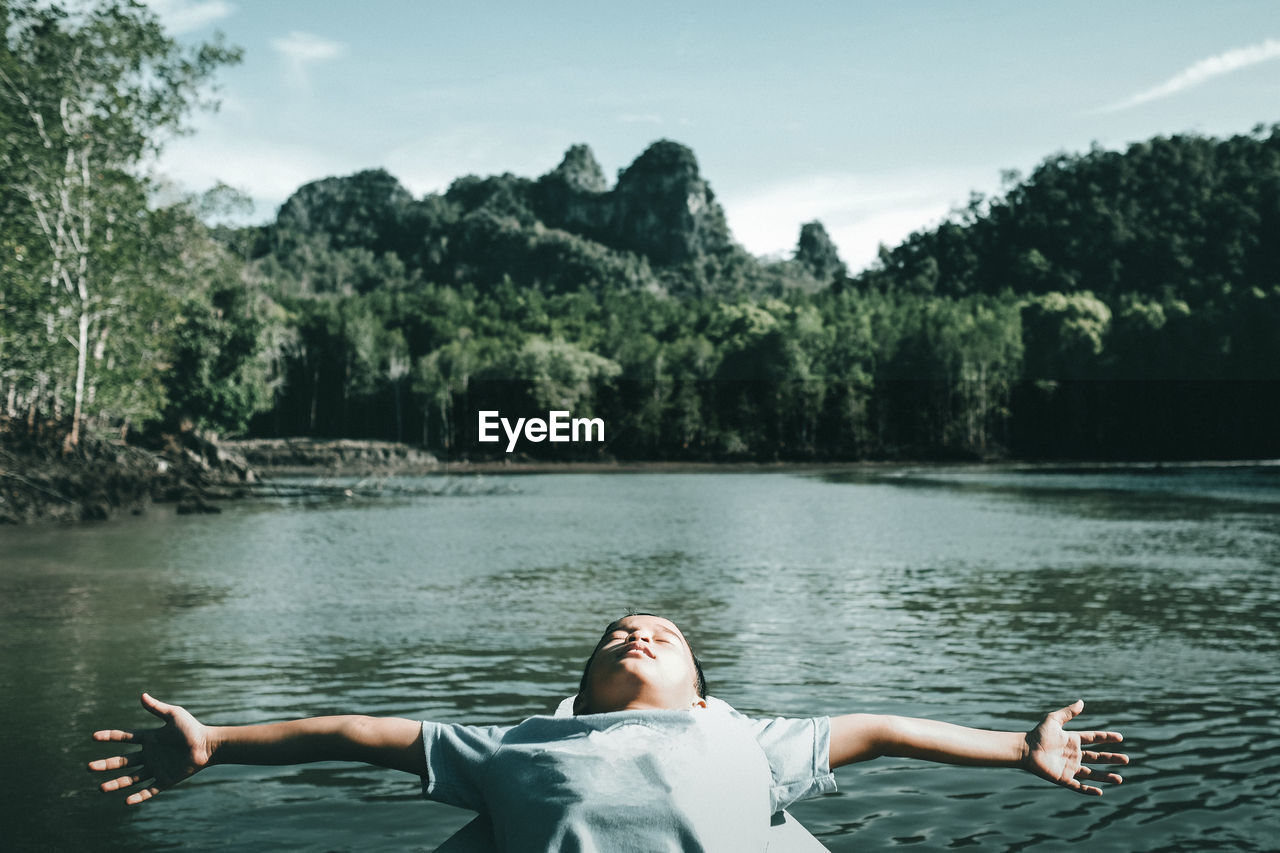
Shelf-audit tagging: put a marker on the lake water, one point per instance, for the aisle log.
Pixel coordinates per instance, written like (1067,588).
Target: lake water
(983,596)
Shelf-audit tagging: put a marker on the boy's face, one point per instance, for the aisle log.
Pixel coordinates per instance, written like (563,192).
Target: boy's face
(641,662)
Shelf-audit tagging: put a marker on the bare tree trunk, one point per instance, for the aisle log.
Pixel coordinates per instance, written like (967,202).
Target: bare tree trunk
(81,247)
(315,394)
(82,351)
(399,416)
(445,426)
(346,384)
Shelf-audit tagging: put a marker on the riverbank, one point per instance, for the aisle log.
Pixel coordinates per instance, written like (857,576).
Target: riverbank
(105,478)
(526,465)
(44,480)
(330,457)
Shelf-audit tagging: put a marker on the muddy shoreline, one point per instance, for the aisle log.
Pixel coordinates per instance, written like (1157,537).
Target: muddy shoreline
(41,482)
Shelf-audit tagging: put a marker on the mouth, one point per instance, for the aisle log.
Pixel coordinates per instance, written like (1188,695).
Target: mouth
(637,650)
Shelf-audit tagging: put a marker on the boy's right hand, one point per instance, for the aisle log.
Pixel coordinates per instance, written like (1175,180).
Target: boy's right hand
(178,749)
(1061,757)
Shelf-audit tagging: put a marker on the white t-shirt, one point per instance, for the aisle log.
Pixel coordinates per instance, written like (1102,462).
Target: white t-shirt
(701,779)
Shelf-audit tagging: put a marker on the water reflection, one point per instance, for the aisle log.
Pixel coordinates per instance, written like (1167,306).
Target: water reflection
(1150,492)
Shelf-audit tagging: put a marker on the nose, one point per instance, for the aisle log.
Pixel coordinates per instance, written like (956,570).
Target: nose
(637,634)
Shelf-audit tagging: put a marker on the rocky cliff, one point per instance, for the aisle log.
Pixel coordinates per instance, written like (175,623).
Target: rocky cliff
(661,208)
(564,230)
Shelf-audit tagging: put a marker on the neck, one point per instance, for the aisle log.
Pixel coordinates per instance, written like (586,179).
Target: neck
(642,700)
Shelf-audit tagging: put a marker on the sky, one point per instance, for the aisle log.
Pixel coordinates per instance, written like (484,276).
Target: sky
(875,118)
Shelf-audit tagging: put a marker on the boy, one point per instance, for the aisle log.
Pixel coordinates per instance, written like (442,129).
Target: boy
(646,761)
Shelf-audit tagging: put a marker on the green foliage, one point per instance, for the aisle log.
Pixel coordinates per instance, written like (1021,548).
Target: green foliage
(1182,215)
(369,210)
(87,94)
(559,374)
(1020,325)
(962,342)
(1065,335)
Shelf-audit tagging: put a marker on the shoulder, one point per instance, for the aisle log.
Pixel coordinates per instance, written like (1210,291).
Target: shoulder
(473,741)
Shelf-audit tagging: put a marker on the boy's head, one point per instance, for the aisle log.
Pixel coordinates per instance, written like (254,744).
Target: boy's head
(641,661)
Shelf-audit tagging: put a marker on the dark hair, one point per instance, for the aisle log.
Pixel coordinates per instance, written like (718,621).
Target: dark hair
(699,678)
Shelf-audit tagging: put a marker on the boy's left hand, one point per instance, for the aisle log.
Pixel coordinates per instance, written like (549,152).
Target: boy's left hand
(1060,756)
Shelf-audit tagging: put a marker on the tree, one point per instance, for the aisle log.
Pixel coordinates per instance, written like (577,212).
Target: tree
(560,375)
(225,339)
(445,373)
(88,97)
(1064,335)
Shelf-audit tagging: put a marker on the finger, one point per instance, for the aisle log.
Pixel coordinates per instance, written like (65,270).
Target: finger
(1087,790)
(1104,757)
(1100,737)
(120,782)
(115,735)
(1109,778)
(115,762)
(1062,715)
(163,710)
(141,796)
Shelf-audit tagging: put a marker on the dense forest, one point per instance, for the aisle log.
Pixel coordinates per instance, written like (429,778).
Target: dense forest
(1111,304)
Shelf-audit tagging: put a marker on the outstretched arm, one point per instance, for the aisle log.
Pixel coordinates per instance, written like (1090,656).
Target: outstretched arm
(184,746)
(1048,750)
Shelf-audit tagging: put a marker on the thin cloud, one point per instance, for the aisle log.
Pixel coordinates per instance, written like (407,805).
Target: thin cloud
(636,118)
(1199,72)
(429,164)
(269,172)
(860,211)
(302,50)
(184,16)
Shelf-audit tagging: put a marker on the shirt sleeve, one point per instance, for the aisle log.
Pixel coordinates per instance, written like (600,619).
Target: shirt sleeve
(456,756)
(799,754)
